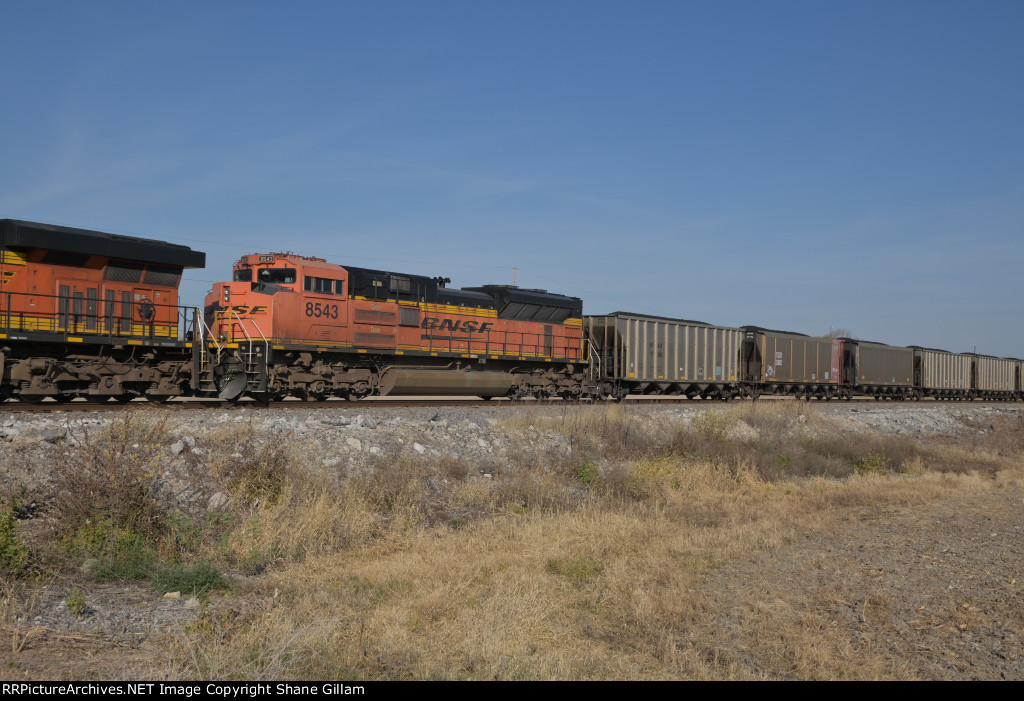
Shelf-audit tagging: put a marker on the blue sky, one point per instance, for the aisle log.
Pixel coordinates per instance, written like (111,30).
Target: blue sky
(796,165)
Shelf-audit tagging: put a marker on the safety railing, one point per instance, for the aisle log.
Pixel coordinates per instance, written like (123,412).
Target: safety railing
(101,320)
(520,344)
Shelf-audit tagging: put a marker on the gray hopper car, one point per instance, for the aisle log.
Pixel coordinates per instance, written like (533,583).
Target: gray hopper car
(638,354)
(995,378)
(778,362)
(942,374)
(877,369)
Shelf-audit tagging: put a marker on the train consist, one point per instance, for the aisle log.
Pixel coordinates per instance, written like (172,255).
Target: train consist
(95,315)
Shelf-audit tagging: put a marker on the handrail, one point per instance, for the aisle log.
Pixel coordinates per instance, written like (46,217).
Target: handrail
(107,320)
(248,338)
(266,341)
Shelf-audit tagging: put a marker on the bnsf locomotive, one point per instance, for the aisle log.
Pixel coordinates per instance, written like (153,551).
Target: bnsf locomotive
(294,325)
(84,313)
(95,315)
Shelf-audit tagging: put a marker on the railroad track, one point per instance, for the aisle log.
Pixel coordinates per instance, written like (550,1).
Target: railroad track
(382,403)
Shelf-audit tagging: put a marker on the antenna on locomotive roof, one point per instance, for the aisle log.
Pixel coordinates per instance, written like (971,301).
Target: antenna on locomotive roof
(513,276)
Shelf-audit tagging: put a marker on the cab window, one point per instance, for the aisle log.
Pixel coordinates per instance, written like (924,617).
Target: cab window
(277,276)
(324,285)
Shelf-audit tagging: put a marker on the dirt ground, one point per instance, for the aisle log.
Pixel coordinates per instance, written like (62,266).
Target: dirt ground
(936,590)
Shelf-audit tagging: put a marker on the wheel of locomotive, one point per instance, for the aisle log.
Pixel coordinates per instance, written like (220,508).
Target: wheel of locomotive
(32,398)
(263,398)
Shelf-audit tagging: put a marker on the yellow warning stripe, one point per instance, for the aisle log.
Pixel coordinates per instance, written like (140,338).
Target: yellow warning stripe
(279,344)
(435,308)
(13,258)
(21,322)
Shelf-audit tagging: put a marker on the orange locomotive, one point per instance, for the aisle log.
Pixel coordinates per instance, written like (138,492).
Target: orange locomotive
(289,324)
(76,305)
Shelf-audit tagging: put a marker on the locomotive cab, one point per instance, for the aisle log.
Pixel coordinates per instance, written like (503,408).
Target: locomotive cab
(270,295)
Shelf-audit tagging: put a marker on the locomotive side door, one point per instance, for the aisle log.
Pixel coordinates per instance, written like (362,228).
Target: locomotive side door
(76,307)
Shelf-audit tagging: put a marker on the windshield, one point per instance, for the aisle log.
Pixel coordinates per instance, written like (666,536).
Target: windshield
(277,276)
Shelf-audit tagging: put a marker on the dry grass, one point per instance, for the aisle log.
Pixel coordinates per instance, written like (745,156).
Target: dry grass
(589,556)
(611,589)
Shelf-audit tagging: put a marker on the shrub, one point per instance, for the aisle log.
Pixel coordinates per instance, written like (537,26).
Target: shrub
(13,553)
(196,580)
(587,472)
(75,603)
(106,495)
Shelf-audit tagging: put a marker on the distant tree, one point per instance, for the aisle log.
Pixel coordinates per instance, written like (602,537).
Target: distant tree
(834,332)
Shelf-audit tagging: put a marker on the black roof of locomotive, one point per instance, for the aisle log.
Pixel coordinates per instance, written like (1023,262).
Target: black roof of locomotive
(510,302)
(533,305)
(25,234)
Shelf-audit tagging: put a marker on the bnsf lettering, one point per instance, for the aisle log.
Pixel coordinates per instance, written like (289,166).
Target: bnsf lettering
(431,323)
(243,309)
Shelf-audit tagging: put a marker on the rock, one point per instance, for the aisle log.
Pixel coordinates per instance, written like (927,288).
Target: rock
(419,448)
(177,447)
(218,501)
(192,603)
(742,431)
(172,595)
(44,434)
(354,443)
